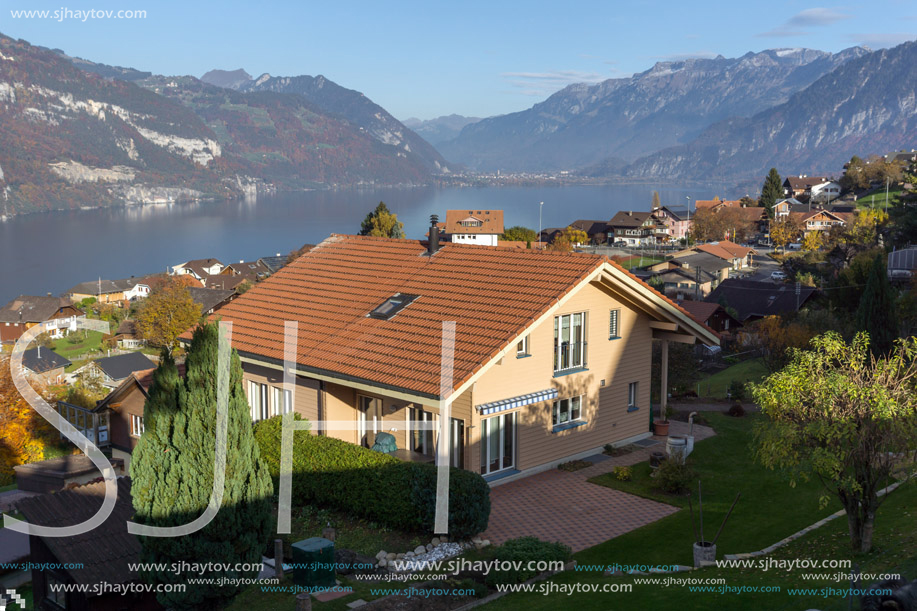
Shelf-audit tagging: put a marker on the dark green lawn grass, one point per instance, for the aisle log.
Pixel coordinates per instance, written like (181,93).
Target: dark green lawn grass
(768,511)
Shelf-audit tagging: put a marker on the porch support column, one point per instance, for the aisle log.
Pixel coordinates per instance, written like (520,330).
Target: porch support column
(664,379)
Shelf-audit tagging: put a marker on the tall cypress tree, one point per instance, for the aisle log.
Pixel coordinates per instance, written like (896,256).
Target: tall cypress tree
(172,477)
(771,191)
(876,314)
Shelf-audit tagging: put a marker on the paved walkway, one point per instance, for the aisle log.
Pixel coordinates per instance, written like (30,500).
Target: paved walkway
(562,506)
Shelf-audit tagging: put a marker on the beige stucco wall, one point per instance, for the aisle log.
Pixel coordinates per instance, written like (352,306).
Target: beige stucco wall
(306,399)
(614,363)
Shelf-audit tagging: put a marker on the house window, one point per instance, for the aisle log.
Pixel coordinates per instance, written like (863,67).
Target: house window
(632,390)
(569,341)
(567,410)
(420,434)
(281,401)
(136,425)
(257,401)
(613,319)
(53,593)
(522,348)
(726,324)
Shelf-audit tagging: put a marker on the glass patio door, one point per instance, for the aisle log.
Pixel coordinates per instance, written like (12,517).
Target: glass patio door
(498,443)
(369,419)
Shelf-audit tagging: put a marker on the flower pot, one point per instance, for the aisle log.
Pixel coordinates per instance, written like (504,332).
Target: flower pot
(704,551)
(661,428)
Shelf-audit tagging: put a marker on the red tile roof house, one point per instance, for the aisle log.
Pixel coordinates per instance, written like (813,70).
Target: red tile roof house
(552,350)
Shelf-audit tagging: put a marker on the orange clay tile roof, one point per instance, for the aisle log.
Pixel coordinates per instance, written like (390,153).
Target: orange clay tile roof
(724,249)
(491,293)
(491,221)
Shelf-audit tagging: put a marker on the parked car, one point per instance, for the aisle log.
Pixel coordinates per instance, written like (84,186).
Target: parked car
(778,275)
(620,244)
(794,246)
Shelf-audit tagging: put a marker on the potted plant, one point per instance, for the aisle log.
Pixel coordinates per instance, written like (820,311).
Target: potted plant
(661,426)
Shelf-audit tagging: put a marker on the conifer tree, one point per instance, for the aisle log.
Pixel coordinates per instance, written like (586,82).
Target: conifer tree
(771,191)
(876,314)
(172,477)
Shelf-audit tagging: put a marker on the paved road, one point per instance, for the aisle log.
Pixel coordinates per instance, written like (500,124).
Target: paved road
(765,265)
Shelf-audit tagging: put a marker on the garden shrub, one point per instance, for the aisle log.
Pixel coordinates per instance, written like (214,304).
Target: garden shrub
(737,390)
(736,410)
(334,473)
(674,477)
(622,473)
(521,551)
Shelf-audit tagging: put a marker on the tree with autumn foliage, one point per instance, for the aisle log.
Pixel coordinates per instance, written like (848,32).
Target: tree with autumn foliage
(785,230)
(839,414)
(168,312)
(775,337)
(570,237)
(812,241)
(382,223)
(23,432)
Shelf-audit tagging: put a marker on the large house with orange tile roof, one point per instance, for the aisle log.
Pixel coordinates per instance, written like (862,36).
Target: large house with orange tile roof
(551,362)
(482,227)
(740,257)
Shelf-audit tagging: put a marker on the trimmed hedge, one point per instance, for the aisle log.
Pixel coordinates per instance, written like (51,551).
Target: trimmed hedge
(334,473)
(519,552)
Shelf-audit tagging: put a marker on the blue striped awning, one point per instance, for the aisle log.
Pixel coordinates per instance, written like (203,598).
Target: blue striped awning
(505,404)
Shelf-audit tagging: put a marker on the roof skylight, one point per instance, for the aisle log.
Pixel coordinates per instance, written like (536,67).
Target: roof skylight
(391,306)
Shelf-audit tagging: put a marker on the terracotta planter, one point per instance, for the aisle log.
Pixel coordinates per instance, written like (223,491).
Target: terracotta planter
(661,428)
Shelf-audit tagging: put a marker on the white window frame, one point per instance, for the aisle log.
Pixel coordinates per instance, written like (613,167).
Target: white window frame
(571,362)
(258,401)
(633,394)
(614,323)
(137,424)
(522,347)
(572,407)
(507,420)
(427,438)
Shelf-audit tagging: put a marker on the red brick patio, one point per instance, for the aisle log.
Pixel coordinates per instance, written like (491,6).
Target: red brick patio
(562,506)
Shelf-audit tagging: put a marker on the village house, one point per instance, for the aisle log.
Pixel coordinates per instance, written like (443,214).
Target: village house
(198,268)
(677,282)
(481,227)
(94,562)
(784,206)
(754,299)
(817,220)
(44,365)
(825,192)
(675,220)
(633,228)
(738,257)
(801,186)
(211,300)
(111,291)
(552,351)
(112,370)
(57,314)
(713,315)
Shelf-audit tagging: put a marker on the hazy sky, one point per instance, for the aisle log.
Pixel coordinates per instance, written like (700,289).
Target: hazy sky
(426,59)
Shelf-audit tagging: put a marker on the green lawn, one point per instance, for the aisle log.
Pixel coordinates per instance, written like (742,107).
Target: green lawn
(715,386)
(876,199)
(769,510)
(72,351)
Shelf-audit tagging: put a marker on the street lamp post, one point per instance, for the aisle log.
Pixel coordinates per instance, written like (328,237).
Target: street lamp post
(540,205)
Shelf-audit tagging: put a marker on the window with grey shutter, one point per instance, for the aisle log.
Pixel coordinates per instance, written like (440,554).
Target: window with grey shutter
(613,318)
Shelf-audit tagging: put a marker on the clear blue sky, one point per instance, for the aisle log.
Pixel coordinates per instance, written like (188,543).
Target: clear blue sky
(475,58)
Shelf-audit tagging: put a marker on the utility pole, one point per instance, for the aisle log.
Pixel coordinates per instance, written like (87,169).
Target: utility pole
(697,284)
(798,291)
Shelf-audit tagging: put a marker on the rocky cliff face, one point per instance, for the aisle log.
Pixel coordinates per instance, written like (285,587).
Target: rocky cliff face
(79,134)
(630,117)
(867,105)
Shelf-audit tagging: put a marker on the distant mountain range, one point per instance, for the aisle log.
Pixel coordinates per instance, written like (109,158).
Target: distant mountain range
(441,129)
(76,133)
(626,118)
(866,105)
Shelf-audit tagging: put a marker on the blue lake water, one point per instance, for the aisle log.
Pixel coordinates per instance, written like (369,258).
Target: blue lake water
(49,253)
